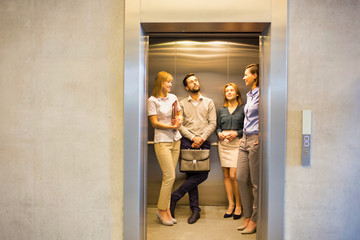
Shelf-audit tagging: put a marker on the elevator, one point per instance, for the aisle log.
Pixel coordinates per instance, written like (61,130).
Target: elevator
(146,44)
(216,60)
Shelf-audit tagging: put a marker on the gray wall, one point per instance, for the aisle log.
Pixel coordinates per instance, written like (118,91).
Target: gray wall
(324,76)
(61,116)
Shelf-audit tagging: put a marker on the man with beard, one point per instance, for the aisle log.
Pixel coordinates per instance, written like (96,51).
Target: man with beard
(199,122)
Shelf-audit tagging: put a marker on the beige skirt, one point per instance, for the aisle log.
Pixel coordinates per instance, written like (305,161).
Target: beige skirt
(228,152)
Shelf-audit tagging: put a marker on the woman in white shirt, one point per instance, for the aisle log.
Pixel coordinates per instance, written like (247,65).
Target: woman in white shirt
(165,117)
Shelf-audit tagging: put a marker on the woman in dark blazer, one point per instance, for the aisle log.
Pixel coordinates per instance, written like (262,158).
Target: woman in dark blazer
(229,129)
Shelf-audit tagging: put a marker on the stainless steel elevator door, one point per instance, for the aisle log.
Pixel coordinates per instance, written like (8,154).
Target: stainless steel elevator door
(215,61)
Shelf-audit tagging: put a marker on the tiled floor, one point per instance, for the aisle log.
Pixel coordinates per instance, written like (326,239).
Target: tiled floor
(210,226)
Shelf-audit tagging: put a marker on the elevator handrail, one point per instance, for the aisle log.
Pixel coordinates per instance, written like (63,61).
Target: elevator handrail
(152,143)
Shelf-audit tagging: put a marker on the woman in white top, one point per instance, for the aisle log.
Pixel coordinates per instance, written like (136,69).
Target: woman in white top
(165,117)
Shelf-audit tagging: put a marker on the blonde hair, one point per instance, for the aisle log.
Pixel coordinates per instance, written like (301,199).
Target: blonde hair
(238,98)
(160,78)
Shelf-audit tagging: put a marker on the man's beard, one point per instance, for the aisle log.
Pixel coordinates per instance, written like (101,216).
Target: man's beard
(195,90)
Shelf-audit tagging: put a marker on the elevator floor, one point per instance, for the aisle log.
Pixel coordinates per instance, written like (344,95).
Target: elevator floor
(210,226)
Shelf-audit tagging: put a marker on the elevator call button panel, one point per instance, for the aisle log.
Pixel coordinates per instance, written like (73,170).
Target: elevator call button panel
(306,138)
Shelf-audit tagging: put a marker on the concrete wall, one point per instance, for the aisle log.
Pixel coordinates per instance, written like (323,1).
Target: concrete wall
(61,68)
(324,76)
(61,74)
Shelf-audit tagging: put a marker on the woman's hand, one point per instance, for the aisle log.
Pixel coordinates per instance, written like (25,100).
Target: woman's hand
(232,135)
(221,136)
(156,124)
(176,123)
(178,118)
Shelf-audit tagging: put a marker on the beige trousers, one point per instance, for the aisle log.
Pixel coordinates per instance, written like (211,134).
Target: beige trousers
(167,154)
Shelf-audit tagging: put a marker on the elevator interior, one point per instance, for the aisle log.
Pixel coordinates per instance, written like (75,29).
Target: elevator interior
(216,60)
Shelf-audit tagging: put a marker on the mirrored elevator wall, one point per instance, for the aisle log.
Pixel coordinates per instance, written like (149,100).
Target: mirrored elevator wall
(215,61)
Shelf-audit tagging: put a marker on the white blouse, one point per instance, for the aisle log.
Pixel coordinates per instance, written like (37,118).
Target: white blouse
(162,108)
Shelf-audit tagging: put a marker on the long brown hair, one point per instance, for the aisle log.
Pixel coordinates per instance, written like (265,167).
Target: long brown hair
(238,98)
(160,78)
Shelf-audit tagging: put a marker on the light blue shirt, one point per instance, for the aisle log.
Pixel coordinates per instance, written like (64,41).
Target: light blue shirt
(251,110)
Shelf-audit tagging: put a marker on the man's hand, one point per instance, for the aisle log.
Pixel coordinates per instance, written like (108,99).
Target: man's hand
(197,142)
(193,145)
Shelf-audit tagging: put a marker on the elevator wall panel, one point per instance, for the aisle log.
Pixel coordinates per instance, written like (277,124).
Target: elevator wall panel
(206,11)
(216,62)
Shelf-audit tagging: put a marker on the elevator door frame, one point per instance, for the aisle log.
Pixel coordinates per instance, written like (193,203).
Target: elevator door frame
(273,137)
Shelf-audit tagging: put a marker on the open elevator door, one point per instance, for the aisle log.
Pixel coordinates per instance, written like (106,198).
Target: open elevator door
(216,60)
(186,30)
